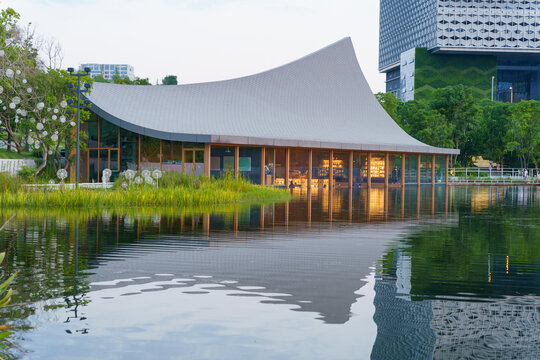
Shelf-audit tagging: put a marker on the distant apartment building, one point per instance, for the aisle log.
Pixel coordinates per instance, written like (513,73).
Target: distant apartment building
(430,44)
(109,70)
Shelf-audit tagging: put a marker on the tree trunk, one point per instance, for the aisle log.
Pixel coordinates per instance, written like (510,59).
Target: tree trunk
(44,162)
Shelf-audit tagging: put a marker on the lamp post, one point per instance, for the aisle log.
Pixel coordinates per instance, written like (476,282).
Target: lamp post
(492,85)
(78,106)
(511,94)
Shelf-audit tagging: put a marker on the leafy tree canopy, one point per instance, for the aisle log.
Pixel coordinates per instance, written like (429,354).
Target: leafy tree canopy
(170,80)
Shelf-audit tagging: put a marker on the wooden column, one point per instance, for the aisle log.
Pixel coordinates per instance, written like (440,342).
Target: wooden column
(263,159)
(433,169)
(236,161)
(331,170)
(351,162)
(207,157)
(402,169)
(418,158)
(310,168)
(369,169)
(287,167)
(446,160)
(386,172)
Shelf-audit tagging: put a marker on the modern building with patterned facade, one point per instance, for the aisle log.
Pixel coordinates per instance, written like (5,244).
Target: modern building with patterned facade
(311,123)
(485,32)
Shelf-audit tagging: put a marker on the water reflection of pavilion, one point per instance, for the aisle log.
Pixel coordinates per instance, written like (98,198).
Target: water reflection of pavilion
(314,252)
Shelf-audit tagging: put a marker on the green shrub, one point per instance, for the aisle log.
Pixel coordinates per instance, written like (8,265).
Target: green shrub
(27,173)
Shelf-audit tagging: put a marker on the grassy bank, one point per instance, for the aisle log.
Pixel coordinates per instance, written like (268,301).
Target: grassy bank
(174,190)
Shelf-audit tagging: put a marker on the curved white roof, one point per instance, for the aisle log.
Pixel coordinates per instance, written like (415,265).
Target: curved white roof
(321,100)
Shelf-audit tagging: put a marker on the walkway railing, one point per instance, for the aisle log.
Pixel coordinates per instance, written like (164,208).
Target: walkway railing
(479,175)
(12,166)
(70,186)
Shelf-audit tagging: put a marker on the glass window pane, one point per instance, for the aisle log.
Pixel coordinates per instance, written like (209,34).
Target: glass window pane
(92,133)
(249,164)
(128,136)
(269,168)
(221,160)
(128,156)
(279,167)
(171,156)
(359,168)
(440,169)
(150,153)
(394,169)
(411,164)
(340,171)
(298,168)
(377,168)
(199,163)
(93,166)
(188,156)
(108,135)
(425,169)
(320,169)
(103,162)
(191,145)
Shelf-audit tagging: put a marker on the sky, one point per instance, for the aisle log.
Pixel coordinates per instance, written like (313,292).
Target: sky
(204,40)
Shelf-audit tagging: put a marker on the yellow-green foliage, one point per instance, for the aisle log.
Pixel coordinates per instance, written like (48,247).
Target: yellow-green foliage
(200,192)
(5,297)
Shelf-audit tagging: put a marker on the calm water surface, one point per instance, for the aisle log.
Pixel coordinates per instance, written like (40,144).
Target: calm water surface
(441,273)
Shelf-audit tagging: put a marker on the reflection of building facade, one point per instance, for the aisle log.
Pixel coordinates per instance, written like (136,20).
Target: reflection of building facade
(311,123)
(429,44)
(505,328)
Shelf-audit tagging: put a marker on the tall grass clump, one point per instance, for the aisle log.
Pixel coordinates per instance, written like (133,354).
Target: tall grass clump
(9,183)
(174,189)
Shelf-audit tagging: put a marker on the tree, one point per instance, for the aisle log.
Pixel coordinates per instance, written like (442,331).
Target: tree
(170,80)
(492,128)
(388,101)
(18,63)
(523,135)
(459,107)
(426,124)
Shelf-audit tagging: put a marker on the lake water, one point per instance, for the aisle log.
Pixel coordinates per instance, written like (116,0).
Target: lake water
(441,273)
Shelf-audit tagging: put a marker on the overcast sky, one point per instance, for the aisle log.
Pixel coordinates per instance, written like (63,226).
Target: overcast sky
(204,40)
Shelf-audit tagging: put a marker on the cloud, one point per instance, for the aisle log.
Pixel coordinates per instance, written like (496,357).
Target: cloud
(204,40)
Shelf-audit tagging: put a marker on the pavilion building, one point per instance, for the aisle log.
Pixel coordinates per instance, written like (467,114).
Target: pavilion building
(311,123)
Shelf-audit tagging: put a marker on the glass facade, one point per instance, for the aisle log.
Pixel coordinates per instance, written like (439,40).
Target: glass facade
(119,149)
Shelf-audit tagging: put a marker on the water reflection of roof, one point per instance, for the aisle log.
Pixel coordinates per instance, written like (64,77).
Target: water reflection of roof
(319,270)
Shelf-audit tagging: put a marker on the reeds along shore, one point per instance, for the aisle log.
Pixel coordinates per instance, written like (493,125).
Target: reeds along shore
(173,190)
